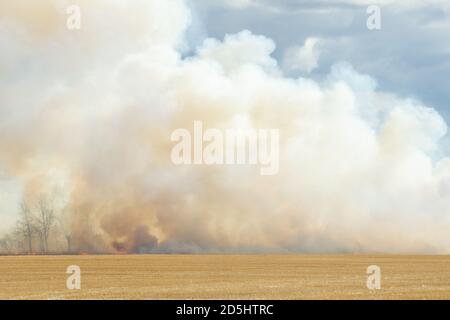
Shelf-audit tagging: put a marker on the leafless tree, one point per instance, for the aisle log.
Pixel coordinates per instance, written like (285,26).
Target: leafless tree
(26,227)
(44,222)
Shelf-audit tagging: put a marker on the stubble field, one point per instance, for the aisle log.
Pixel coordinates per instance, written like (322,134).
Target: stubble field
(225,277)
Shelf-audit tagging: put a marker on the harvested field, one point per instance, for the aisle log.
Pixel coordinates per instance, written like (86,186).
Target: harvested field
(225,277)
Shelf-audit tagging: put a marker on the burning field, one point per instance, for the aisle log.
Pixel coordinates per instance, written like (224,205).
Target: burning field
(87,118)
(225,277)
(121,126)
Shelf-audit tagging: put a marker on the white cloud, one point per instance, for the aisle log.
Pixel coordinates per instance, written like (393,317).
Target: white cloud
(239,50)
(304,58)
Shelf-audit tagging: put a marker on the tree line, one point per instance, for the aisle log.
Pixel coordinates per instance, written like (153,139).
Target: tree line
(42,228)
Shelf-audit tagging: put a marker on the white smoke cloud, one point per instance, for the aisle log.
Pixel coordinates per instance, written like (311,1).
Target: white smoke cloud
(238,50)
(303,58)
(92,112)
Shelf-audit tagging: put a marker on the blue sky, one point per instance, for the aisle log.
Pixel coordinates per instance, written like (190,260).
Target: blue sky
(410,55)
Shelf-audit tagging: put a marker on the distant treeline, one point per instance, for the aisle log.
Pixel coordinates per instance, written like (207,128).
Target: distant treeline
(40,229)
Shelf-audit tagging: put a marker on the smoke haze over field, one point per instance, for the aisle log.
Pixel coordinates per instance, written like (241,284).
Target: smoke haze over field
(89,113)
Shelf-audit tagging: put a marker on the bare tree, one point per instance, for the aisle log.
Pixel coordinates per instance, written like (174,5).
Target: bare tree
(26,226)
(45,220)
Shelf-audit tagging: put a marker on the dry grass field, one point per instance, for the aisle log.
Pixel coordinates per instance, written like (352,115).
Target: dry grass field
(225,277)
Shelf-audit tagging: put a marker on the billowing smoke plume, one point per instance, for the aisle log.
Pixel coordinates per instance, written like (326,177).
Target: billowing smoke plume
(90,112)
